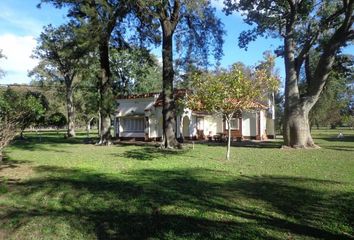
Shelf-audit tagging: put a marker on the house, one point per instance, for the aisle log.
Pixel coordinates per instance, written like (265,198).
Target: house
(140,117)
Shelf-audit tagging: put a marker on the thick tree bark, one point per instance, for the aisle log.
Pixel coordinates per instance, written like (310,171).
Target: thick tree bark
(292,130)
(297,125)
(169,109)
(70,110)
(105,94)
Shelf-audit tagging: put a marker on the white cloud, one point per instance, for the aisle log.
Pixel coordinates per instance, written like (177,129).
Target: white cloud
(18,51)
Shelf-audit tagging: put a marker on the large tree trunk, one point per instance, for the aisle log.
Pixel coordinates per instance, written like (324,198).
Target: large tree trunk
(293,130)
(105,94)
(296,122)
(70,110)
(168,110)
(297,128)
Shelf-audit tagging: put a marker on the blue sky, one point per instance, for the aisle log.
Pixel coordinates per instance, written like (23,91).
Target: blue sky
(21,23)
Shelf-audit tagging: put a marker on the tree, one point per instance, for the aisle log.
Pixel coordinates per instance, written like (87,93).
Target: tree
(195,28)
(227,92)
(32,104)
(16,111)
(57,120)
(303,25)
(60,53)
(98,20)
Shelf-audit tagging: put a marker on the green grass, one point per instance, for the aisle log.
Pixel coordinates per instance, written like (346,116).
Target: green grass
(66,189)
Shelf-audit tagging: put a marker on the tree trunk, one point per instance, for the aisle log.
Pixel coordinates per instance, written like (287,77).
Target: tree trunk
(298,128)
(168,110)
(228,138)
(105,94)
(292,96)
(70,110)
(21,134)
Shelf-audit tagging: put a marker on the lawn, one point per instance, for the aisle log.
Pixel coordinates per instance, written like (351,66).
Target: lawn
(68,189)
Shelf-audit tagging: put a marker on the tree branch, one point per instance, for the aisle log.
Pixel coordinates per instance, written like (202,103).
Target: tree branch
(305,49)
(339,37)
(175,14)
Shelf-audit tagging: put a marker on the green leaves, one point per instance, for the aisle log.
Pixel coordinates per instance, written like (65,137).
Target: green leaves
(230,90)
(20,108)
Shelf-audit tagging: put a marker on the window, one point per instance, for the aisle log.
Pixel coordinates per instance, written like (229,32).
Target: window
(233,123)
(133,124)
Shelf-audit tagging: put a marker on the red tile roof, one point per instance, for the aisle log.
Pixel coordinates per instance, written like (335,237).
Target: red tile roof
(180,93)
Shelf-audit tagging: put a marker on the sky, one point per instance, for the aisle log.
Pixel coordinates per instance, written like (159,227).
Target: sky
(21,23)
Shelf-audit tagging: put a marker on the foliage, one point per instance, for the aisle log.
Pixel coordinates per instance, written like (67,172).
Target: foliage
(197,31)
(17,111)
(57,120)
(61,54)
(27,107)
(348,120)
(227,91)
(135,70)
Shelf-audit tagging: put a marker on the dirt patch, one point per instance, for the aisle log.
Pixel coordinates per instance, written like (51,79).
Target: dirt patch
(15,172)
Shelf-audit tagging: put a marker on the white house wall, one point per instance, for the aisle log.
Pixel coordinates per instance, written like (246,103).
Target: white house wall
(193,126)
(270,127)
(249,124)
(153,126)
(263,122)
(132,134)
(213,125)
(133,106)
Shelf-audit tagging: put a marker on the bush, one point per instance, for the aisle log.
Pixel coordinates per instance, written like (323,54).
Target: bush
(57,120)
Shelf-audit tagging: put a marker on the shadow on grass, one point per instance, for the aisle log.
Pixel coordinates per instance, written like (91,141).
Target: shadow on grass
(247,144)
(347,138)
(45,142)
(149,153)
(6,163)
(176,204)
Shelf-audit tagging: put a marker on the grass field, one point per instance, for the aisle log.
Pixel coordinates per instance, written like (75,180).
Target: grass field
(66,189)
